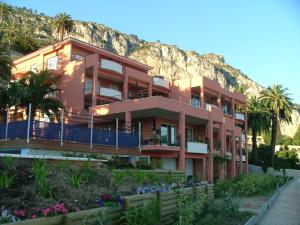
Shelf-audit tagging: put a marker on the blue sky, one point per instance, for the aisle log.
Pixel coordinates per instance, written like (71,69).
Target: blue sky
(259,37)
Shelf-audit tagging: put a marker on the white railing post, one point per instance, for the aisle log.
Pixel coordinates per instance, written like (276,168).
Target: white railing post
(62,128)
(117,133)
(6,128)
(92,128)
(140,134)
(28,124)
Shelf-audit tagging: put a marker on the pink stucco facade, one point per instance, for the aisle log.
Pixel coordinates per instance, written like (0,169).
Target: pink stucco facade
(187,122)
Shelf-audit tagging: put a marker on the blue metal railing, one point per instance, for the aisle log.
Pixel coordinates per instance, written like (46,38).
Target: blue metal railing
(104,137)
(2,130)
(71,133)
(17,130)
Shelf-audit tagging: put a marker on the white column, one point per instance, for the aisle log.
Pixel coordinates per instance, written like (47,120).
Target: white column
(62,127)
(117,133)
(92,128)
(28,124)
(6,128)
(140,134)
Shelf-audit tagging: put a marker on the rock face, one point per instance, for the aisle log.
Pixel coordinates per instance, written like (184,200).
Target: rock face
(167,60)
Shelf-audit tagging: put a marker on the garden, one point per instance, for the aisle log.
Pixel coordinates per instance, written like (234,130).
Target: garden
(37,188)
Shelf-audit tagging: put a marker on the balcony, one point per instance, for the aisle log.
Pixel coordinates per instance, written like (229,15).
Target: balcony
(240,116)
(111,65)
(111,93)
(160,81)
(197,147)
(208,106)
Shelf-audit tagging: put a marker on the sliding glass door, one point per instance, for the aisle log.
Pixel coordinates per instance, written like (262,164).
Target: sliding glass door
(168,134)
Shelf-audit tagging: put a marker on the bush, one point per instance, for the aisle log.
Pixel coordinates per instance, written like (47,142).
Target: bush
(117,162)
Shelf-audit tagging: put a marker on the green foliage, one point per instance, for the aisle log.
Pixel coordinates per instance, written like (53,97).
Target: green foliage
(250,185)
(63,24)
(223,211)
(7,175)
(117,178)
(153,178)
(142,215)
(139,177)
(296,139)
(117,162)
(75,179)
(10,163)
(6,179)
(40,171)
(190,208)
(288,159)
(87,173)
(103,218)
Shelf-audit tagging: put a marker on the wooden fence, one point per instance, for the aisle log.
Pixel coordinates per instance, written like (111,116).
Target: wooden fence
(167,203)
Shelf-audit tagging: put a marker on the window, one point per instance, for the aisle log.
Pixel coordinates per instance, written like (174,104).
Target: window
(52,63)
(195,101)
(77,57)
(168,134)
(189,134)
(88,86)
(33,68)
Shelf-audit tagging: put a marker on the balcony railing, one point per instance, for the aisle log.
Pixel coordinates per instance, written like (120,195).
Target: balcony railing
(208,106)
(111,65)
(196,147)
(160,81)
(109,92)
(240,116)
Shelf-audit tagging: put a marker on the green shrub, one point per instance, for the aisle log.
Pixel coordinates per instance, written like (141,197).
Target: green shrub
(117,162)
(142,215)
(40,171)
(6,179)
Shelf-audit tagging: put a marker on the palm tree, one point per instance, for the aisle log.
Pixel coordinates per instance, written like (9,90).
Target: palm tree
(242,88)
(37,88)
(280,105)
(10,33)
(5,12)
(258,121)
(63,23)
(5,65)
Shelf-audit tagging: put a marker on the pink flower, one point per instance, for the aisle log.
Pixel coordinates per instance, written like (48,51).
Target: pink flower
(20,212)
(46,211)
(33,216)
(77,209)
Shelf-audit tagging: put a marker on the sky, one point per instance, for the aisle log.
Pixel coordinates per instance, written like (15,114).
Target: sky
(259,37)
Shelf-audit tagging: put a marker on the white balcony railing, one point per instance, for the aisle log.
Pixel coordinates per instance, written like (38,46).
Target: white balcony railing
(160,81)
(111,65)
(112,93)
(196,147)
(208,106)
(239,116)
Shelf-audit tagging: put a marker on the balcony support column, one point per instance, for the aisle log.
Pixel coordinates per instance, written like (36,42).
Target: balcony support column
(211,149)
(204,177)
(128,120)
(95,88)
(246,140)
(233,107)
(233,155)
(181,160)
(202,98)
(219,100)
(241,155)
(150,89)
(223,150)
(125,86)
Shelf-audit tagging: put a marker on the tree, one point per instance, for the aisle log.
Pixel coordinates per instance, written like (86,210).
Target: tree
(258,121)
(5,11)
(242,88)
(296,139)
(280,105)
(6,65)
(63,24)
(37,87)
(10,33)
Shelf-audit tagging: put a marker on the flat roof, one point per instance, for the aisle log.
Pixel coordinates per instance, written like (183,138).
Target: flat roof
(84,45)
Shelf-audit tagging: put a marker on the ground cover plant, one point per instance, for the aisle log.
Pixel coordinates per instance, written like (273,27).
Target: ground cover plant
(250,185)
(33,188)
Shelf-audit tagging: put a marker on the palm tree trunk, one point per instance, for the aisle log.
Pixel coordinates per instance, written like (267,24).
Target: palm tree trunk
(273,138)
(254,145)
(16,113)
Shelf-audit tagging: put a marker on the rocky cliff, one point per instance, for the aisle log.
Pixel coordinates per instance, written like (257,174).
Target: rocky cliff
(167,60)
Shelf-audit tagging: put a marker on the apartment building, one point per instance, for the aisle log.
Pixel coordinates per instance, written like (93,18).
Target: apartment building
(190,124)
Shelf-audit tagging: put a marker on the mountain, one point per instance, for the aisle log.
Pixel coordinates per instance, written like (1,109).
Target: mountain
(167,60)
